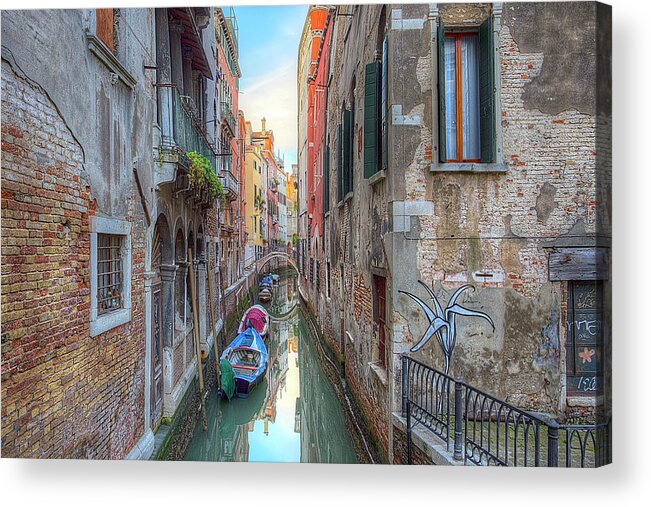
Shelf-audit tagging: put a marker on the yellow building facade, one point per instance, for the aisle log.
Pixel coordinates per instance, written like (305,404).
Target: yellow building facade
(255,196)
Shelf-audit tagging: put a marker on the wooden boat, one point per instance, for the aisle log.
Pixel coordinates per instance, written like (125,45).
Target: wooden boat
(247,354)
(264,295)
(266,282)
(259,318)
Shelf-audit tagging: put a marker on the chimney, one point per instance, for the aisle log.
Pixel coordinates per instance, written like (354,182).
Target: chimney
(264,124)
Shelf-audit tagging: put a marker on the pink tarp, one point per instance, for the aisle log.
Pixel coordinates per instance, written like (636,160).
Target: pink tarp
(257,318)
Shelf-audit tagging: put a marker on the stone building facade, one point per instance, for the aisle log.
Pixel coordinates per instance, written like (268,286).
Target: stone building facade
(99,218)
(523,216)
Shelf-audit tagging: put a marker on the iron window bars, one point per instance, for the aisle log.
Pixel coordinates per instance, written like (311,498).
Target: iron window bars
(109,273)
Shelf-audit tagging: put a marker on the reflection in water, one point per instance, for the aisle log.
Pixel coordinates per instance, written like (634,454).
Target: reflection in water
(294,415)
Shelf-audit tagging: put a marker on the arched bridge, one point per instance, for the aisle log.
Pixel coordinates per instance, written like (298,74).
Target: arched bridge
(260,263)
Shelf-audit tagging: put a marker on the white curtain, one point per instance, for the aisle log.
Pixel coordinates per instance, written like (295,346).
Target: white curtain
(470,90)
(450,100)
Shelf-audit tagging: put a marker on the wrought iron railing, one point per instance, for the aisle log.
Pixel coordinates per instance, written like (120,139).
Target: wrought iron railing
(485,430)
(227,114)
(428,398)
(188,130)
(229,182)
(585,446)
(497,433)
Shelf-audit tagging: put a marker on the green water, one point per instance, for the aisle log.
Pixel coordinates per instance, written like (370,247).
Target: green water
(293,416)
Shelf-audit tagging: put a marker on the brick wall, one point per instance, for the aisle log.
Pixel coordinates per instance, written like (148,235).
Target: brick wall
(64,394)
(418,457)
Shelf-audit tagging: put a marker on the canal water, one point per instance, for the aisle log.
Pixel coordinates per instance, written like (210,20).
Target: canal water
(293,416)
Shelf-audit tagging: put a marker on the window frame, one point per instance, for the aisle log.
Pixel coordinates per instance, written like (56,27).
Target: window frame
(497,165)
(104,322)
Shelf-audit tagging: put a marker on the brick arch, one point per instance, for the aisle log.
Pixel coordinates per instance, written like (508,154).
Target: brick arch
(162,239)
(179,244)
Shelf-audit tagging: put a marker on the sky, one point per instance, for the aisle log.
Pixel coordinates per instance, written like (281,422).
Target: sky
(268,54)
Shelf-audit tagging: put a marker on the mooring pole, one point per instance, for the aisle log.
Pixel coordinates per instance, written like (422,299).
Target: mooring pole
(197,344)
(214,324)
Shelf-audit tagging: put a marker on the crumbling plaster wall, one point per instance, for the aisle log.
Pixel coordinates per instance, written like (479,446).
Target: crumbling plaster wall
(497,223)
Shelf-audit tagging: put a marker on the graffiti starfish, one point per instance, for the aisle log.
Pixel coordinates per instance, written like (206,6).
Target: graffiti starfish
(442,322)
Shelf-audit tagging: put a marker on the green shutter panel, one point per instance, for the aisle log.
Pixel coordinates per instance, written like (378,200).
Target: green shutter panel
(384,134)
(371,119)
(346,135)
(340,164)
(326,179)
(486,91)
(440,41)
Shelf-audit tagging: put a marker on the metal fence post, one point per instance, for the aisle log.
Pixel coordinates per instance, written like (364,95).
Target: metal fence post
(552,444)
(458,415)
(408,434)
(405,383)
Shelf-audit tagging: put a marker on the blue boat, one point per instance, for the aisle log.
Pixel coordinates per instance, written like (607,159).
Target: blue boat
(266,281)
(247,354)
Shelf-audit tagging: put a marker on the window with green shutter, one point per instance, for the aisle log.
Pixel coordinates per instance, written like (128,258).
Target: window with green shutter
(347,144)
(384,90)
(340,164)
(326,179)
(371,120)
(466,94)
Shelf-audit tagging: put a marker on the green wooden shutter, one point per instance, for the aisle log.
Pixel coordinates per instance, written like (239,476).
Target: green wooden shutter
(371,119)
(326,179)
(346,137)
(486,91)
(384,81)
(340,164)
(440,41)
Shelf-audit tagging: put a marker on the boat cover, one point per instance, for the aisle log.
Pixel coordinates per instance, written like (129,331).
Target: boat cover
(227,378)
(257,317)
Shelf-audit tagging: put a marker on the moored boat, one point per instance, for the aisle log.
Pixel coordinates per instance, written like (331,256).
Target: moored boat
(264,295)
(259,319)
(247,355)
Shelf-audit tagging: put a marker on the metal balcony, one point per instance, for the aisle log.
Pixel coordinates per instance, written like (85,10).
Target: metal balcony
(230,184)
(227,114)
(189,133)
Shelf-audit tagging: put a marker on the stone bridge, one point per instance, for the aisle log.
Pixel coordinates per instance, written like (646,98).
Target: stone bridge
(260,263)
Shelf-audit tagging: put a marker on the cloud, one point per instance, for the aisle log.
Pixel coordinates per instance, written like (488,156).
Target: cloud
(273,95)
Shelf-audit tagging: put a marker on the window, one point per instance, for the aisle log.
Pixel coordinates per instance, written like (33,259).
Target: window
(105,43)
(379,316)
(375,115)
(105,27)
(318,276)
(326,179)
(461,64)
(311,271)
(346,135)
(467,90)
(584,344)
(110,274)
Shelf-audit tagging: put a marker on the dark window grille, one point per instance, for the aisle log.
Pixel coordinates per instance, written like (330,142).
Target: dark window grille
(109,273)
(318,276)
